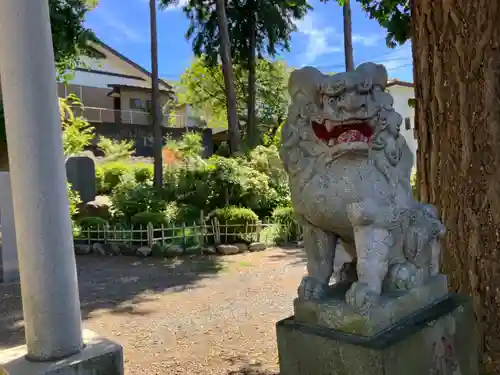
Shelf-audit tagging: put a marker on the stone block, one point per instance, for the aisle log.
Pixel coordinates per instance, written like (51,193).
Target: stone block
(99,357)
(438,339)
(333,312)
(80,171)
(227,249)
(257,246)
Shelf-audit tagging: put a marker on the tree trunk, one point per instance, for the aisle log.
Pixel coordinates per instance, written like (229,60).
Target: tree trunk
(155,95)
(456,45)
(253,135)
(227,70)
(348,51)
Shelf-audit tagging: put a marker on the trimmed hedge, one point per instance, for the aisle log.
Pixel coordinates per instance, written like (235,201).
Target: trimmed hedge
(92,222)
(157,219)
(235,223)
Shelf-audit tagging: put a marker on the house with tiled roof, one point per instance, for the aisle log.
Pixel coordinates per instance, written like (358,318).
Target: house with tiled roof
(115,93)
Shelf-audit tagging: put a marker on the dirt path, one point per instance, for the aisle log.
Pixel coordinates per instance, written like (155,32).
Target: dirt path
(193,316)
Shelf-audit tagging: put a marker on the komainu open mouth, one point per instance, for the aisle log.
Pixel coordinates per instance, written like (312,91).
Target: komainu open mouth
(334,133)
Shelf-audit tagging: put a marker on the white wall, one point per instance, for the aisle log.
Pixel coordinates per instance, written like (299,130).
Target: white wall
(101,64)
(110,64)
(401,94)
(100,80)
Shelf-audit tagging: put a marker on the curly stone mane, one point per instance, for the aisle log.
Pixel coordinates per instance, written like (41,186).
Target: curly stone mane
(302,152)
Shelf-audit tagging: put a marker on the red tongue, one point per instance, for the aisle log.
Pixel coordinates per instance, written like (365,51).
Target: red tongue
(350,136)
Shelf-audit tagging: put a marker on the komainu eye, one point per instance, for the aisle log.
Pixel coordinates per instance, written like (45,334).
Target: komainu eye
(332,100)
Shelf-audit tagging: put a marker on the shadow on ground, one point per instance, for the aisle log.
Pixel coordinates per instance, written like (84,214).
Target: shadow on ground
(114,283)
(296,254)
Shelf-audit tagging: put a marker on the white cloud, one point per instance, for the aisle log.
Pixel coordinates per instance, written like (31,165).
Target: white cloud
(366,40)
(175,6)
(326,40)
(120,28)
(319,39)
(178,5)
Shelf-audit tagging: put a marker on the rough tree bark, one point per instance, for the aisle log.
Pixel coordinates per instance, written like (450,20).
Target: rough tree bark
(252,133)
(227,70)
(155,97)
(348,51)
(456,45)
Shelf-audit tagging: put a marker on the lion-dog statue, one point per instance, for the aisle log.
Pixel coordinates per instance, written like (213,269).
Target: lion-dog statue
(349,173)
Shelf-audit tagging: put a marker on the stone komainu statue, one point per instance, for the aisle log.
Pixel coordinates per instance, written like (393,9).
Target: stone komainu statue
(349,172)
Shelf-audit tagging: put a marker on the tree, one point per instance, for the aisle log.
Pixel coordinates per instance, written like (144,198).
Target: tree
(256,28)
(69,38)
(227,71)
(202,87)
(155,95)
(349,54)
(211,16)
(457,85)
(261,27)
(69,35)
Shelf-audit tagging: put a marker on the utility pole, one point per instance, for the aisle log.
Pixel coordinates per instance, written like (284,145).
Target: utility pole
(349,54)
(155,95)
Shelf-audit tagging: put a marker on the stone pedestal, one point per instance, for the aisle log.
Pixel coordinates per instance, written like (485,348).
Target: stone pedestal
(99,357)
(399,337)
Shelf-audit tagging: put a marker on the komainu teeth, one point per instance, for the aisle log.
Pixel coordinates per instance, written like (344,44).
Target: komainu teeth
(331,142)
(329,125)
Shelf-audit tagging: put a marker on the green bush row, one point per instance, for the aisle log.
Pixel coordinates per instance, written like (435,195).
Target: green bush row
(256,181)
(110,174)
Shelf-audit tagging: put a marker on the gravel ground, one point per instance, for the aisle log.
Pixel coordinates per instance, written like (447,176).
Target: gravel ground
(190,316)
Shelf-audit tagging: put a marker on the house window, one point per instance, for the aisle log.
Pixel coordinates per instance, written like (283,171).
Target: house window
(149,106)
(135,103)
(407,123)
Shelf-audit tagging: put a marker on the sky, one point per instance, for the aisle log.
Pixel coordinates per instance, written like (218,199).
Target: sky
(318,41)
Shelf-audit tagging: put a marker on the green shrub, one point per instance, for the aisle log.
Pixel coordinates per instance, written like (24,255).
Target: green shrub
(413,182)
(257,182)
(129,198)
(143,172)
(188,213)
(109,175)
(287,226)
(93,222)
(77,133)
(236,223)
(190,184)
(114,149)
(74,201)
(189,145)
(157,219)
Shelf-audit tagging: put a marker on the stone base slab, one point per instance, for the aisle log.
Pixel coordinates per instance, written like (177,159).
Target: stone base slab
(333,312)
(100,356)
(439,339)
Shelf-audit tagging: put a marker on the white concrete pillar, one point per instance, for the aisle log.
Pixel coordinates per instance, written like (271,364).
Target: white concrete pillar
(43,229)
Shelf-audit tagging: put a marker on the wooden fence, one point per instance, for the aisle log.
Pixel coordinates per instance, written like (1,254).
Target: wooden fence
(192,235)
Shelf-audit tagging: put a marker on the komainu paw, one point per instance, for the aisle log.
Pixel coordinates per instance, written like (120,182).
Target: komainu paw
(362,296)
(312,289)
